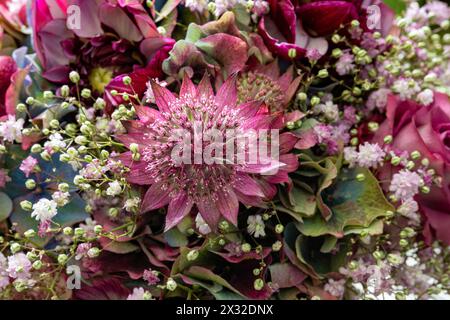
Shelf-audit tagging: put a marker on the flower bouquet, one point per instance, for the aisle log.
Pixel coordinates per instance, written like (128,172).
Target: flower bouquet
(224,149)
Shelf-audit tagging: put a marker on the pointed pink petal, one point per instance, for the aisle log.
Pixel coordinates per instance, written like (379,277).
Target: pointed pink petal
(287,142)
(291,162)
(228,205)
(179,207)
(227,94)
(249,109)
(187,87)
(250,200)
(247,185)
(155,198)
(138,174)
(204,87)
(163,96)
(209,212)
(147,115)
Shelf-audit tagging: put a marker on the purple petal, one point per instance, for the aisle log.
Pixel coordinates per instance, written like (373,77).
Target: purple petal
(187,87)
(163,96)
(228,205)
(247,185)
(155,198)
(179,207)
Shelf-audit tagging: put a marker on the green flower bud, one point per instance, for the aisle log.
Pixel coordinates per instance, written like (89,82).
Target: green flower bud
(323,73)
(81,140)
(65,105)
(256,272)
(224,225)
(79,232)
(336,38)
(290,125)
(373,126)
(410,165)
(315,101)
(2,149)
(14,247)
(68,231)
(292,53)
(29,233)
(93,252)
(30,101)
(37,265)
(54,123)
(192,255)
(258,284)
(26,205)
(62,258)
(21,107)
(425,189)
(86,93)
(171,284)
(64,158)
(378,254)
(63,187)
(388,139)
(30,184)
(48,95)
(99,104)
(395,161)
(360,177)
(114,93)
(74,76)
(246,247)
(45,155)
(98,229)
(65,91)
(279,228)
(113,212)
(126,80)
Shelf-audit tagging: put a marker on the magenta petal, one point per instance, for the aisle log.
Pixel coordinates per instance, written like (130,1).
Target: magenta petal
(91,25)
(13,92)
(163,96)
(250,200)
(138,174)
(249,109)
(155,198)
(187,87)
(147,115)
(227,94)
(204,87)
(179,207)
(322,18)
(209,212)
(115,18)
(228,205)
(247,185)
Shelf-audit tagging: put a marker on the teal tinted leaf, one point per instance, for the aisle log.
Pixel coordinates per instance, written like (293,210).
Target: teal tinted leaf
(175,238)
(353,204)
(6,206)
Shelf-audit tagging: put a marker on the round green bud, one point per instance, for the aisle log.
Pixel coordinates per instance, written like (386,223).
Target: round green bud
(403,243)
(65,91)
(192,255)
(171,284)
(54,123)
(315,101)
(79,232)
(14,247)
(277,245)
(256,272)
(224,225)
(30,184)
(113,212)
(394,259)
(65,158)
(93,252)
(410,165)
(99,104)
(45,155)
(373,126)
(86,93)
(336,38)
(21,107)
(26,205)
(30,101)
(378,254)
(2,149)
(336,53)
(355,23)
(98,229)
(425,189)
(388,139)
(29,233)
(290,125)
(65,105)
(354,141)
(360,177)
(68,231)
(126,80)
(258,284)
(37,265)
(292,53)
(114,93)
(48,95)
(323,73)
(222,242)
(81,140)
(395,161)
(63,187)
(134,147)
(279,228)
(425,162)
(62,258)
(74,76)
(136,156)
(301,96)
(246,247)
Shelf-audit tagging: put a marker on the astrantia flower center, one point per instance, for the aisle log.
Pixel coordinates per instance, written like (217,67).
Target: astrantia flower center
(193,117)
(257,86)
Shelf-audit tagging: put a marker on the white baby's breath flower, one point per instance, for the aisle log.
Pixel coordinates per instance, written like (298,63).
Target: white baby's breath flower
(256,226)
(114,189)
(44,210)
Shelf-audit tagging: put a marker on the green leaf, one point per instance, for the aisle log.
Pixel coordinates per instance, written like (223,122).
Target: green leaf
(354,204)
(397,5)
(175,238)
(6,206)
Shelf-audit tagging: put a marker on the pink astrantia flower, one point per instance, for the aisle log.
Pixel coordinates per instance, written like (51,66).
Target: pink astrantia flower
(28,165)
(215,189)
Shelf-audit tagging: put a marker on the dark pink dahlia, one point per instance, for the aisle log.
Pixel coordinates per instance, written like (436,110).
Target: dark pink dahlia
(215,189)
